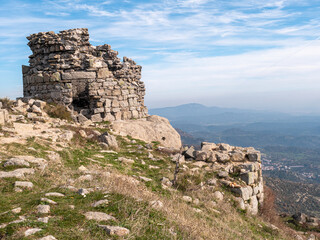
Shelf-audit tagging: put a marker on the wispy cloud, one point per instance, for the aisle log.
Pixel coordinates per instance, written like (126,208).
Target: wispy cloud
(198,48)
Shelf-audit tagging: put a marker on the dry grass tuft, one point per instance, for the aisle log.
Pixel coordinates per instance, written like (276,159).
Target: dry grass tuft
(7,103)
(58,111)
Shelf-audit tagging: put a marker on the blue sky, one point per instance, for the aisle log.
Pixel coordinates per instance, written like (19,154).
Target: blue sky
(230,53)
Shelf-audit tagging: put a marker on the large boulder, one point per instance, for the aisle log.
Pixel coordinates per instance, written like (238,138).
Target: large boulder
(152,128)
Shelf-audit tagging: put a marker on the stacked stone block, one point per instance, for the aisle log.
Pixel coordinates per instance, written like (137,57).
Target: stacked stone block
(238,169)
(65,68)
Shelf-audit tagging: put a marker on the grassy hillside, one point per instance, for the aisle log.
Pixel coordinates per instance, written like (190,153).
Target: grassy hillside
(135,195)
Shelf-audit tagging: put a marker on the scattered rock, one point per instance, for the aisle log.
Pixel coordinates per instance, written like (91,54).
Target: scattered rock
(222,157)
(223,174)
(87,177)
(218,195)
(83,191)
(190,153)
(212,182)
(83,133)
(126,160)
(98,216)
(187,199)
(145,179)
(115,230)
(66,136)
(83,169)
(50,237)
(196,201)
(21,184)
(31,231)
(165,181)
(197,210)
(153,167)
(43,209)
(100,203)
(18,173)
(109,139)
(54,194)
(16,210)
(179,157)
(156,204)
(206,146)
(200,164)
(43,220)
(47,200)
(16,162)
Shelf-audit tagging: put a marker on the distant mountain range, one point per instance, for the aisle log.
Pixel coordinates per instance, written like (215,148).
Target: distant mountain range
(199,114)
(242,127)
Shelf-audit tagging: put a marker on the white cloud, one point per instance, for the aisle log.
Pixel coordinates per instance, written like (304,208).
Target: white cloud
(278,72)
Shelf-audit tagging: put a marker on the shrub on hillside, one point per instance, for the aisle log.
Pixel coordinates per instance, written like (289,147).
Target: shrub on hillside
(7,103)
(268,209)
(58,111)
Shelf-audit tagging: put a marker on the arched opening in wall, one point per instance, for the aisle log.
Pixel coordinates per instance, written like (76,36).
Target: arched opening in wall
(80,96)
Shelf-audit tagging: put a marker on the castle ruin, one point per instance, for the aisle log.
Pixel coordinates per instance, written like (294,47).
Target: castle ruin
(91,80)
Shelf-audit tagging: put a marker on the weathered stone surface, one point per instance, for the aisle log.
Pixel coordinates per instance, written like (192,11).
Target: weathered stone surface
(145,179)
(98,216)
(22,184)
(18,173)
(190,153)
(187,199)
(54,194)
(253,205)
(254,156)
(47,200)
(249,177)
(50,237)
(70,71)
(43,209)
(237,156)
(224,147)
(218,195)
(31,231)
(154,128)
(4,116)
(78,75)
(115,230)
(156,204)
(222,157)
(201,155)
(16,162)
(223,174)
(110,140)
(244,192)
(206,146)
(100,203)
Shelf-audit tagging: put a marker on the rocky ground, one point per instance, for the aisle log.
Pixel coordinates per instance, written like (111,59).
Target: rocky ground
(63,180)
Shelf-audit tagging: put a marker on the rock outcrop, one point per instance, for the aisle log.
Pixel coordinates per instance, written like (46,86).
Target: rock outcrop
(65,68)
(150,129)
(238,169)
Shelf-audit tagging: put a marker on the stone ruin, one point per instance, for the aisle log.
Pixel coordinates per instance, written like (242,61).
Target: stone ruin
(90,80)
(238,169)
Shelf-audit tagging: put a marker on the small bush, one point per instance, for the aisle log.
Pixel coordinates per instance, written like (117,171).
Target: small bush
(7,103)
(58,111)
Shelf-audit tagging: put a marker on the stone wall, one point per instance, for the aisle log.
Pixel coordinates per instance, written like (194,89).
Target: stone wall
(65,68)
(238,169)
